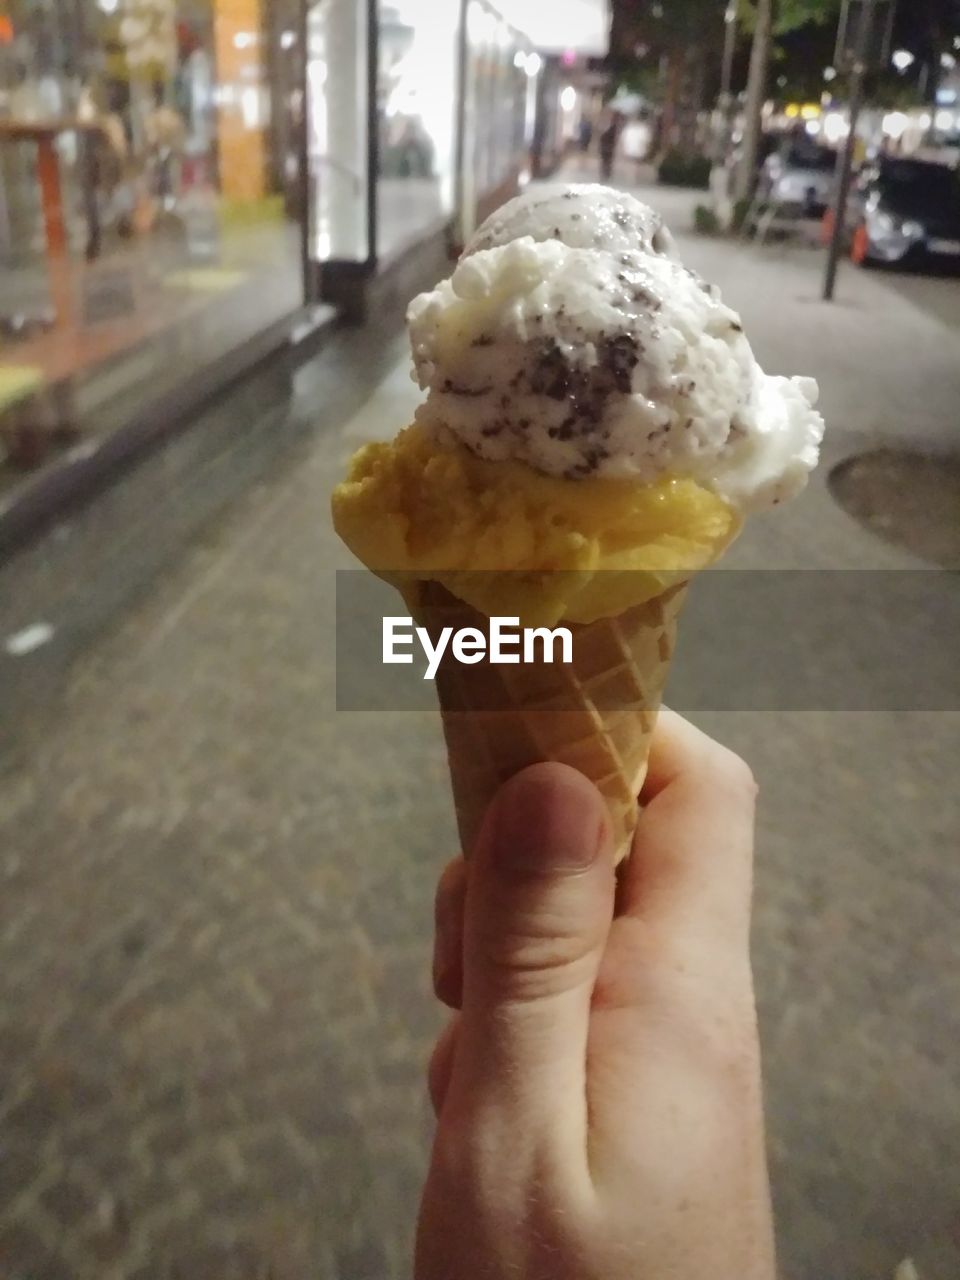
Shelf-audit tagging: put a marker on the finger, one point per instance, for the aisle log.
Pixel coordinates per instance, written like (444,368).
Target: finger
(690,872)
(441,1064)
(538,910)
(677,747)
(448,933)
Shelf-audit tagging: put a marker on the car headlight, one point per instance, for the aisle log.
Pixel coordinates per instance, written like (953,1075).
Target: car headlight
(891,238)
(886,227)
(882,226)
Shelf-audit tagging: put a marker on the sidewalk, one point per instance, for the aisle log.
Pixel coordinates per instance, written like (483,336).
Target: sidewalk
(216,894)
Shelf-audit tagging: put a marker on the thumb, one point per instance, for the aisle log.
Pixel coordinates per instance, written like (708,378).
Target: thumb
(538,911)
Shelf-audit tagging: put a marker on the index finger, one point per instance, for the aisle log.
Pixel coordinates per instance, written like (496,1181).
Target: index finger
(692,862)
(679,749)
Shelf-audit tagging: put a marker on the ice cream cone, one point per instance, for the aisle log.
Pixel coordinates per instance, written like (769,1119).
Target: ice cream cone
(596,714)
(594,430)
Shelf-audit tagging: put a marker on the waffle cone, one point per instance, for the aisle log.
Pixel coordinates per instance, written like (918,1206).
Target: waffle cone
(596,714)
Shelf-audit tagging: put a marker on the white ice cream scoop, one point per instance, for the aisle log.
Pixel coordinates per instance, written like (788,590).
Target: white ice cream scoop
(581,216)
(570,338)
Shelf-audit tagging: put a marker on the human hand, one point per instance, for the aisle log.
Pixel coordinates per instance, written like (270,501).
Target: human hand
(598,1096)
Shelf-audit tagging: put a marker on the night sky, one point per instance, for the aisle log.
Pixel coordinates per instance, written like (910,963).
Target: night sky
(916,18)
(925,27)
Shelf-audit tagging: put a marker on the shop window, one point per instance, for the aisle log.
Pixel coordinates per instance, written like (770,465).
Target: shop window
(417,92)
(151,206)
(500,106)
(338,143)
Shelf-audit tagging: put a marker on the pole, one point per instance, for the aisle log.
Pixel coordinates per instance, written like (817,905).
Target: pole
(723,116)
(729,49)
(861,53)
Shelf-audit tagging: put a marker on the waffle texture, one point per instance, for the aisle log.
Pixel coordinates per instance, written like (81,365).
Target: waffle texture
(596,714)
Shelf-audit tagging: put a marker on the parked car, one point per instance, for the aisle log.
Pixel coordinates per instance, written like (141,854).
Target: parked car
(907,210)
(800,172)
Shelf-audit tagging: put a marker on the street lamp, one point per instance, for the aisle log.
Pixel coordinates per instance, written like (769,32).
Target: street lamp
(729,49)
(903,60)
(722,119)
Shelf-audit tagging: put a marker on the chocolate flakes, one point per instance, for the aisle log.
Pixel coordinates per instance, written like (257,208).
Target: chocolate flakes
(620,357)
(454,389)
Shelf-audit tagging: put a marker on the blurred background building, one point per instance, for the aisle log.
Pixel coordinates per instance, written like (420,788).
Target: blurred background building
(184,184)
(184,181)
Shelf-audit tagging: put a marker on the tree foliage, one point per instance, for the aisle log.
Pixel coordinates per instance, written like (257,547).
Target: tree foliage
(667,46)
(663,28)
(791,15)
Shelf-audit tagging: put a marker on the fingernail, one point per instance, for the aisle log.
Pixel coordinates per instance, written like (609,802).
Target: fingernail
(548,820)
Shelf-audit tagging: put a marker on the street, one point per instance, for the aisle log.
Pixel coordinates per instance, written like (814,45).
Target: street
(937,295)
(216,903)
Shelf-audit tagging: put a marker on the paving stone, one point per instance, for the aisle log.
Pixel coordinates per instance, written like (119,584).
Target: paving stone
(21,1163)
(33,1118)
(25,1256)
(69,1202)
(367,1261)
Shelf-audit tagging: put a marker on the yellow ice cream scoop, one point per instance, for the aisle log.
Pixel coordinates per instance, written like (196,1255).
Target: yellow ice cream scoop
(512,542)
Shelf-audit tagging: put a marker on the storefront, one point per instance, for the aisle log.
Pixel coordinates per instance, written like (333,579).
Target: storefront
(182,178)
(150,215)
(502,75)
(421,120)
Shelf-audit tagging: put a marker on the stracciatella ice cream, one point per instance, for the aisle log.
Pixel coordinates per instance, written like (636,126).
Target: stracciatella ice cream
(595,425)
(571,339)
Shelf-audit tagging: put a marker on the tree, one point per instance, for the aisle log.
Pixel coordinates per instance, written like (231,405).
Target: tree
(801,57)
(677,37)
(791,15)
(768,18)
(756,93)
